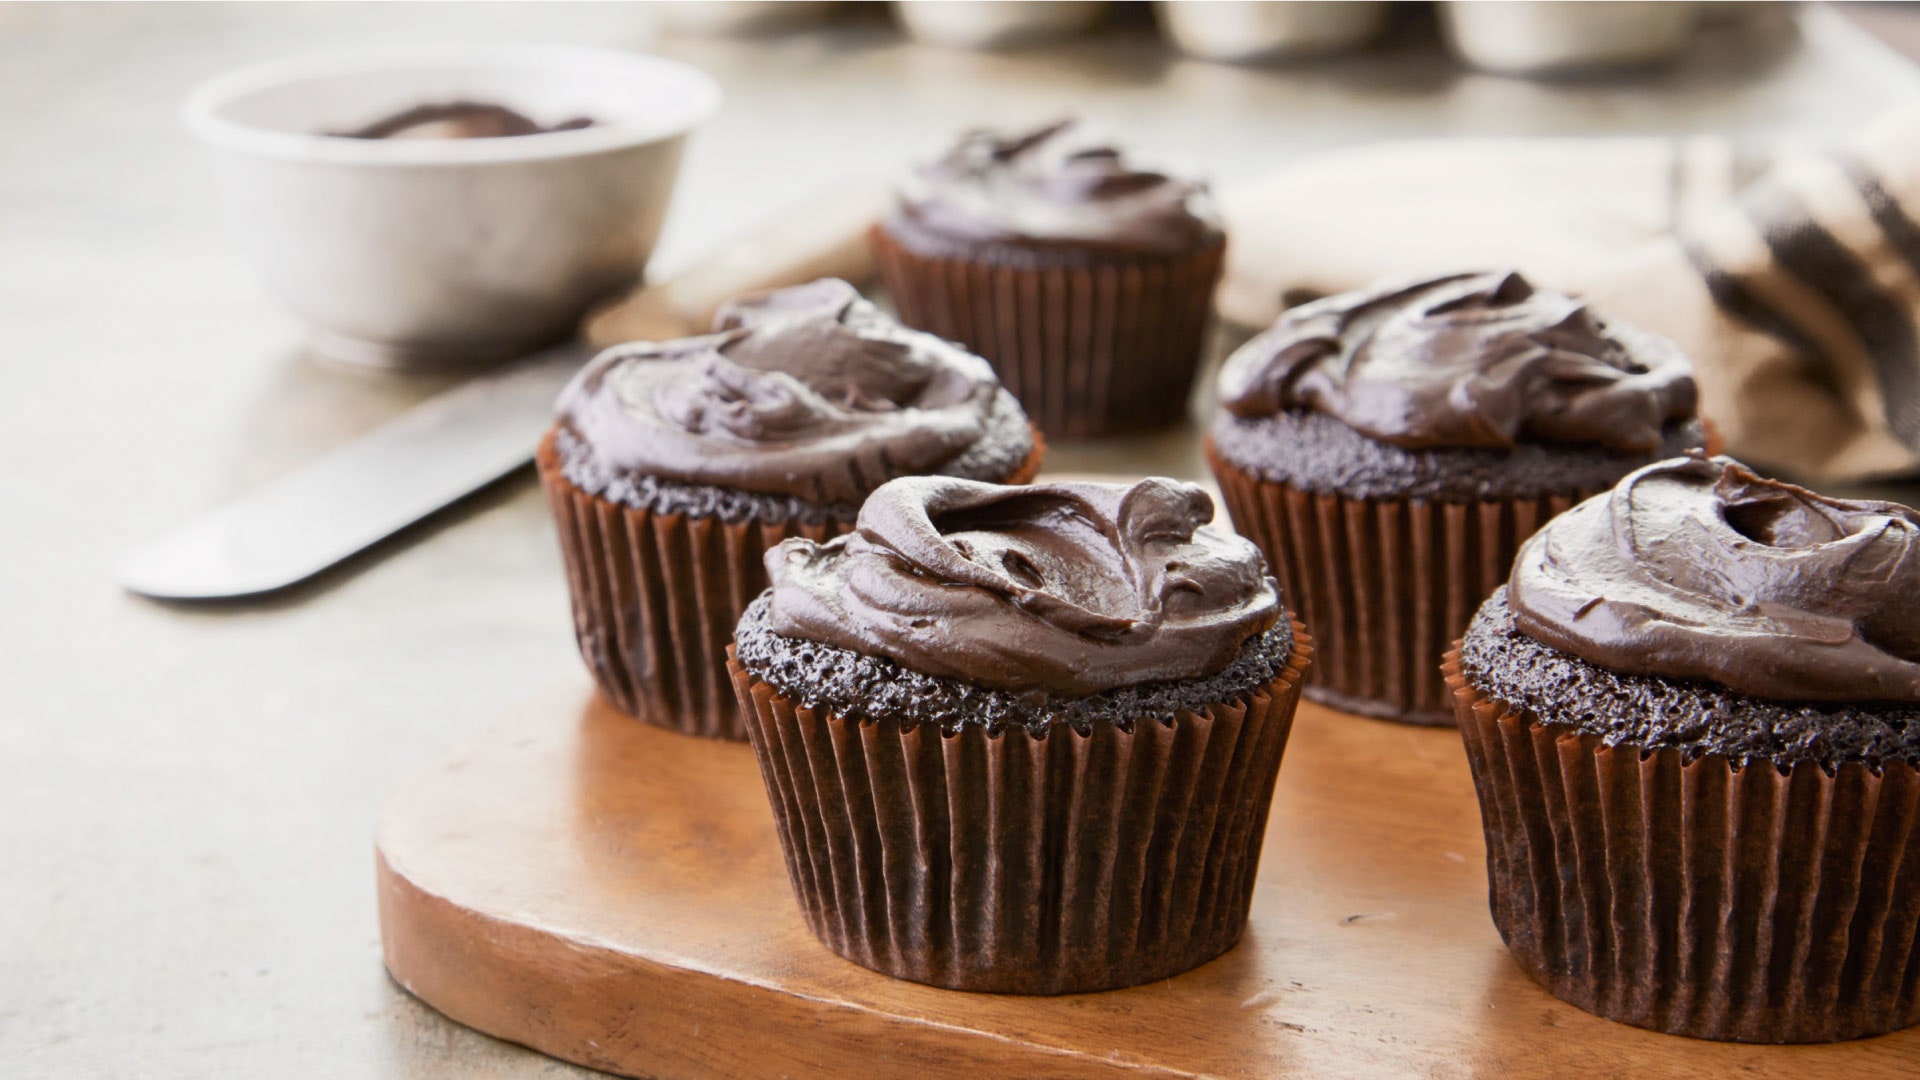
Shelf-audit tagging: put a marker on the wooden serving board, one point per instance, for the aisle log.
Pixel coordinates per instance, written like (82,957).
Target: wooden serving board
(613,894)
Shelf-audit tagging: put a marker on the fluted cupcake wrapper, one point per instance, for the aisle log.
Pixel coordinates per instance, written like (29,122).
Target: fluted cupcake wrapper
(656,597)
(1695,897)
(1385,584)
(1101,348)
(1020,864)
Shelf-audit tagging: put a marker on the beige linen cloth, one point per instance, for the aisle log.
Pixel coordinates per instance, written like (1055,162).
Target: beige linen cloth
(1793,280)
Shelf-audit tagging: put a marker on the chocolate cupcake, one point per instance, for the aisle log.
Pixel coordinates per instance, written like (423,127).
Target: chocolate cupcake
(1087,281)
(1390,449)
(674,466)
(1022,740)
(1693,718)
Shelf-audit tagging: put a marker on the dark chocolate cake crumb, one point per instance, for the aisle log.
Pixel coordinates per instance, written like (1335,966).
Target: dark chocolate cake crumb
(1696,718)
(1315,452)
(870,688)
(1007,443)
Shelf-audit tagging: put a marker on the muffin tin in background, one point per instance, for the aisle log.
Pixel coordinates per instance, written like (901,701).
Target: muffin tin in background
(992,24)
(1521,37)
(1235,32)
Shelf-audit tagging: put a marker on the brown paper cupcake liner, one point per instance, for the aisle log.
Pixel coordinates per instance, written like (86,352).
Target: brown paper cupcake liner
(1695,897)
(1019,864)
(1101,348)
(1385,584)
(656,597)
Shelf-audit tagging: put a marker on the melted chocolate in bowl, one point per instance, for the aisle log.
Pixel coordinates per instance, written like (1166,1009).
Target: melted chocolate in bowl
(458,120)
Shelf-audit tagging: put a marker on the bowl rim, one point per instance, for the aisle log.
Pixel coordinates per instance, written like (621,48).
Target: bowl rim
(201,112)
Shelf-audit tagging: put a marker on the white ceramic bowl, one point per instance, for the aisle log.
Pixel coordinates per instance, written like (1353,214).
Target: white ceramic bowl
(994,24)
(741,18)
(448,252)
(1537,37)
(1243,31)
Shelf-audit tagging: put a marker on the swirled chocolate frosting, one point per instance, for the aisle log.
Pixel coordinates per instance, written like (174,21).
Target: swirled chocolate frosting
(1464,360)
(1696,568)
(809,391)
(1057,185)
(1066,588)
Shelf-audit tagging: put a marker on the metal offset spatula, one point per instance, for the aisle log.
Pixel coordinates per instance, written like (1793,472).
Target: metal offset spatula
(458,442)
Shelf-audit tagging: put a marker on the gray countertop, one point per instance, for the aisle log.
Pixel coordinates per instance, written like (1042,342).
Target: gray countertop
(187,794)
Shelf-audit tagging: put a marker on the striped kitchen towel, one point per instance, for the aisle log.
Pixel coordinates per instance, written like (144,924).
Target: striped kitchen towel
(1791,277)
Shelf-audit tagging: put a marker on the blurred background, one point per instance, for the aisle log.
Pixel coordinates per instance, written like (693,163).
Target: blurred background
(187,791)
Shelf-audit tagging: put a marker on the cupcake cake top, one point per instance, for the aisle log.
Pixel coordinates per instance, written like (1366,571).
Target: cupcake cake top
(1702,608)
(1064,589)
(1481,360)
(1054,186)
(809,392)
(1699,569)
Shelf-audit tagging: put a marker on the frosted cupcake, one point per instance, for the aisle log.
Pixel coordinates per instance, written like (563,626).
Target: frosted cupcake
(1085,278)
(1391,449)
(1022,740)
(1693,718)
(675,465)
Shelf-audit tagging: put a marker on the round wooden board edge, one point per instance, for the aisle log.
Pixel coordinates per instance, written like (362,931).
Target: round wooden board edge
(592,1005)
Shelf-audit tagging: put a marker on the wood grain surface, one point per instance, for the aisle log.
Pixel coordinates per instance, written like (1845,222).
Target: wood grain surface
(613,894)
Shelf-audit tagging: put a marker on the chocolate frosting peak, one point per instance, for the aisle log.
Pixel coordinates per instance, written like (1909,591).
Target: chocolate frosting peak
(1696,568)
(1072,588)
(1464,360)
(809,391)
(1055,185)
